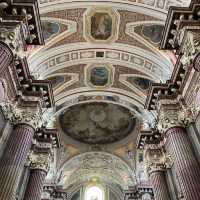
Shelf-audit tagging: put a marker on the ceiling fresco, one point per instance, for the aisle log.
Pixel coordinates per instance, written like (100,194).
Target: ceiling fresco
(97,123)
(101,59)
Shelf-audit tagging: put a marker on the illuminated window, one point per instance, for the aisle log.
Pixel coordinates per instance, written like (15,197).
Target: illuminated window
(94,193)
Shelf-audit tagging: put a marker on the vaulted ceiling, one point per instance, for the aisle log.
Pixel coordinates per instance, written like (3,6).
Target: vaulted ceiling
(101,57)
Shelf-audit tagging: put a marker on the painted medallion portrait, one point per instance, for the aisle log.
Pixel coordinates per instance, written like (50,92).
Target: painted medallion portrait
(101,26)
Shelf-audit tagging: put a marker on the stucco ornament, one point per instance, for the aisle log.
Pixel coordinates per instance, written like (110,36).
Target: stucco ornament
(157,160)
(191,47)
(173,118)
(12,37)
(40,161)
(20,115)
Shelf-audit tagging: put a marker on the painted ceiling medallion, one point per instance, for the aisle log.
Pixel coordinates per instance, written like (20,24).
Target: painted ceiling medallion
(99,75)
(97,123)
(101,24)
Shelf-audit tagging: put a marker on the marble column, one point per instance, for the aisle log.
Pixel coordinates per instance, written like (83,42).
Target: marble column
(13,159)
(39,166)
(157,161)
(159,183)
(186,165)
(24,122)
(196,62)
(6,56)
(35,184)
(173,118)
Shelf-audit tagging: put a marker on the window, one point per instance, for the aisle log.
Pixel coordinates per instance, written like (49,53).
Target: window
(94,193)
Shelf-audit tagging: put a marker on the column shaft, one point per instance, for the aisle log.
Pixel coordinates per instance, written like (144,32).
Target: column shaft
(6,56)
(185,163)
(13,160)
(35,185)
(159,184)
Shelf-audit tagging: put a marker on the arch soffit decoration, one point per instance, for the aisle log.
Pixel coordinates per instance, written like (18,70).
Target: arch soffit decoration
(95,163)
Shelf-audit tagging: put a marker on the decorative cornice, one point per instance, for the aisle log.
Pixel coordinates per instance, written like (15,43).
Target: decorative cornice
(27,14)
(148,139)
(177,19)
(21,115)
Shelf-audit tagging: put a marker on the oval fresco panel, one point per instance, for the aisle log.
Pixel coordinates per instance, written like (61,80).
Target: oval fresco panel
(97,123)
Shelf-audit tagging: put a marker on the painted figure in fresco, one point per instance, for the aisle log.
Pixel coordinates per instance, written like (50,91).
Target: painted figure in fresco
(101,26)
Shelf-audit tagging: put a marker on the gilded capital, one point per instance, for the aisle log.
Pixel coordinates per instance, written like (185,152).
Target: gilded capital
(22,115)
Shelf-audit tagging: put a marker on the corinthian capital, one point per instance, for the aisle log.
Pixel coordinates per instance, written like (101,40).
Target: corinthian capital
(172,115)
(157,160)
(39,160)
(22,115)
